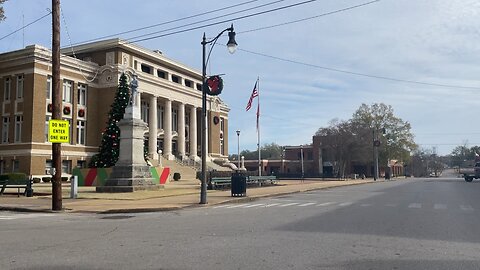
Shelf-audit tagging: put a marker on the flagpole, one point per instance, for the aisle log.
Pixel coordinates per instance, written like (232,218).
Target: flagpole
(258,130)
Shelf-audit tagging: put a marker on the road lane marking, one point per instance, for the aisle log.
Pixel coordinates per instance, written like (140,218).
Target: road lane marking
(306,204)
(365,204)
(439,206)
(391,205)
(415,205)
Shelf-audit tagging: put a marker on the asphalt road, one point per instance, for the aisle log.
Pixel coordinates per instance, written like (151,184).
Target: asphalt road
(408,224)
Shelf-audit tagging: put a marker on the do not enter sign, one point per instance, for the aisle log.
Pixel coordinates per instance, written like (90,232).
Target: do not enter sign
(58,131)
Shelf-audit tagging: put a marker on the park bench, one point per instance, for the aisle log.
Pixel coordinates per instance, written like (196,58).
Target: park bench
(19,184)
(224,182)
(262,180)
(220,182)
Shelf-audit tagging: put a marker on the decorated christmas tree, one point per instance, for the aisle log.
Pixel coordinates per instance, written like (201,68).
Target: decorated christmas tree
(110,146)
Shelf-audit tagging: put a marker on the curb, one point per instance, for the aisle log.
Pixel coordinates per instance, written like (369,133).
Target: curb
(168,209)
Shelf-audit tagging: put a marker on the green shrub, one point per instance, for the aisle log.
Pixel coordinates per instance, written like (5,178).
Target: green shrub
(64,179)
(37,180)
(176,176)
(46,179)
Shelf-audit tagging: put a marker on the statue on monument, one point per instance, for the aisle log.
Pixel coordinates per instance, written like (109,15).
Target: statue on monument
(134,91)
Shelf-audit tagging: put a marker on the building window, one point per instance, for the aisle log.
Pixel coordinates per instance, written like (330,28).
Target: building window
(70,128)
(49,87)
(66,166)
(2,166)
(188,83)
(199,86)
(145,111)
(222,131)
(5,127)
(6,92)
(81,164)
(15,165)
(20,80)
(18,128)
(82,94)
(160,116)
(67,91)
(146,69)
(174,120)
(81,132)
(176,79)
(161,74)
(47,119)
(48,166)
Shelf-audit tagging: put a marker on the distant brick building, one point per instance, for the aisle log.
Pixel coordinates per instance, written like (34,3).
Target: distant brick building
(318,161)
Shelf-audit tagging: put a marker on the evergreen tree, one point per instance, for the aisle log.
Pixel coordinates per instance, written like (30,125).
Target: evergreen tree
(110,146)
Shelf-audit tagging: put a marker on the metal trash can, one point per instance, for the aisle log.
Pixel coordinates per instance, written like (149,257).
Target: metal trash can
(239,184)
(29,189)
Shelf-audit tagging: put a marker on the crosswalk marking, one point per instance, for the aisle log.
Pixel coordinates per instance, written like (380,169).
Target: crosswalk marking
(236,206)
(221,206)
(466,207)
(345,204)
(24,216)
(325,204)
(253,205)
(307,204)
(271,204)
(415,205)
(288,204)
(439,206)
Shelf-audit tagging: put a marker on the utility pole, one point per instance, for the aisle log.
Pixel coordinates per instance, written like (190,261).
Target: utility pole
(57,107)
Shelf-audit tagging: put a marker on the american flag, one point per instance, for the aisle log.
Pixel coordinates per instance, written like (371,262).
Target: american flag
(254,94)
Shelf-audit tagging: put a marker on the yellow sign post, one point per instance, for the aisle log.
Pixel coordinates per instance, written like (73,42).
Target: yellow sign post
(58,131)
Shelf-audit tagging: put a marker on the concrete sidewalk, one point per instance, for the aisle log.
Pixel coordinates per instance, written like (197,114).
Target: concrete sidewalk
(175,195)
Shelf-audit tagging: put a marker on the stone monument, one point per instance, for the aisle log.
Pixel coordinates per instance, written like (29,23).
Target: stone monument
(131,172)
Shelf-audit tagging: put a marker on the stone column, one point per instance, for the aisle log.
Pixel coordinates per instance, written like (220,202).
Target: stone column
(167,128)
(138,100)
(193,133)
(152,129)
(181,130)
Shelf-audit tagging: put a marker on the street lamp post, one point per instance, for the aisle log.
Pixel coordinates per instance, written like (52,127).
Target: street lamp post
(232,46)
(238,148)
(301,158)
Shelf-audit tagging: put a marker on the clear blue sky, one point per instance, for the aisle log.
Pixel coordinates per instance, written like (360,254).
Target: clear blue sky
(436,42)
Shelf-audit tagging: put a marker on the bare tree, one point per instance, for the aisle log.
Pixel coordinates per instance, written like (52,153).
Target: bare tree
(2,13)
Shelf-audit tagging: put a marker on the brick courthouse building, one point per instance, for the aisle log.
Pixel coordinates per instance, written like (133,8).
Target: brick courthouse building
(169,94)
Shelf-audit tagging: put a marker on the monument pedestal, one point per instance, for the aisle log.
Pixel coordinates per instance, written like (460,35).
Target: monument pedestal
(131,172)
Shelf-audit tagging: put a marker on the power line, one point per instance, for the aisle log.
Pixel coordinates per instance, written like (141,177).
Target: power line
(167,22)
(25,26)
(358,73)
(224,21)
(309,18)
(209,19)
